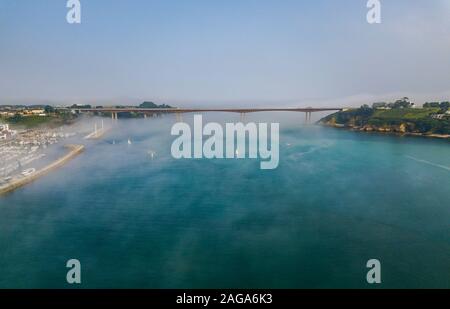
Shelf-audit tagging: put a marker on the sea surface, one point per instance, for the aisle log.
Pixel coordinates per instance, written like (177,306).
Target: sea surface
(337,200)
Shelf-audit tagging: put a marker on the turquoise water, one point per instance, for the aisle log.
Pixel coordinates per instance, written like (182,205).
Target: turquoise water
(337,199)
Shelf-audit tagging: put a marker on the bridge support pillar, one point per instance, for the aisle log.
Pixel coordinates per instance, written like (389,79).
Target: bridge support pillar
(114,116)
(308,116)
(242,117)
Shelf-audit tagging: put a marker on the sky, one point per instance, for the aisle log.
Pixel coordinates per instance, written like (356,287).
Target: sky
(224,52)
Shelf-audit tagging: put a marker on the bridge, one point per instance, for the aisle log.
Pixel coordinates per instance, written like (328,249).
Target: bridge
(116,110)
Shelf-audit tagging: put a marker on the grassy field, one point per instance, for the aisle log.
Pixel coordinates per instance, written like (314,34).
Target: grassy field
(404,114)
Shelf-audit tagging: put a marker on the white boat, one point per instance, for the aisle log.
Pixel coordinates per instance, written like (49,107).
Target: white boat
(152,154)
(129,142)
(28,172)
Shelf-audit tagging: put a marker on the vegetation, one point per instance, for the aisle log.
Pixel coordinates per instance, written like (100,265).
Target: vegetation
(401,120)
(442,105)
(153,105)
(87,106)
(32,121)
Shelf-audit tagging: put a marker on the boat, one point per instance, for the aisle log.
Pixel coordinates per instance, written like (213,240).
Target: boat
(28,171)
(129,142)
(152,154)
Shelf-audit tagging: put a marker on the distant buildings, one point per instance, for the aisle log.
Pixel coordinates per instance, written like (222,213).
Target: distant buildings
(33,112)
(10,111)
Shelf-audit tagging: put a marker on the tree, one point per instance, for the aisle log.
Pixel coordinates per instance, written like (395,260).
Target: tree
(153,105)
(431,105)
(148,105)
(81,106)
(444,105)
(49,109)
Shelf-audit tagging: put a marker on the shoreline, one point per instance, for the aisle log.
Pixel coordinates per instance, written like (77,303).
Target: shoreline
(343,127)
(18,183)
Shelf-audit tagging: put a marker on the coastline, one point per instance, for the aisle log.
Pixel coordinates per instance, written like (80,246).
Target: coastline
(392,132)
(17,183)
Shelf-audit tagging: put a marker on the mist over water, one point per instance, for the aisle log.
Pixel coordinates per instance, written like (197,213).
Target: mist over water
(337,199)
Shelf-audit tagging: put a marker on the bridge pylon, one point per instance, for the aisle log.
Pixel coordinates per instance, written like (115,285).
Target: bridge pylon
(179,117)
(114,116)
(308,116)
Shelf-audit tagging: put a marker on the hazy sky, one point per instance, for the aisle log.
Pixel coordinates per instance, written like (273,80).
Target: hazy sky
(223,52)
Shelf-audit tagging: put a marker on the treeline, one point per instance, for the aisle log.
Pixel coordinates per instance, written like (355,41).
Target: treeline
(146,104)
(442,105)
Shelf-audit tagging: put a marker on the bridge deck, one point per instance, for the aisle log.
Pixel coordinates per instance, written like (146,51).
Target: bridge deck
(199,110)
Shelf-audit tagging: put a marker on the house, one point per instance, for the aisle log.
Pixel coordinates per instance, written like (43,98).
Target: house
(37,111)
(438,116)
(6,114)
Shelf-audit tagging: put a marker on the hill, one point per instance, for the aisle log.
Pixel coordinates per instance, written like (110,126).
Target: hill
(415,121)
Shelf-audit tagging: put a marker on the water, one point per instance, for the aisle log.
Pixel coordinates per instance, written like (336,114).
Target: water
(337,200)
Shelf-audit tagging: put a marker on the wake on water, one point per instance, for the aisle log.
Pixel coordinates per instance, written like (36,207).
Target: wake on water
(429,163)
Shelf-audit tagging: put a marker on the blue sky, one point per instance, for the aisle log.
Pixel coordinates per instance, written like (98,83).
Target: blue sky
(217,52)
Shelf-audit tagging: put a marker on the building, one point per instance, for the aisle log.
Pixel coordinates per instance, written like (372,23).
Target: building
(34,112)
(6,114)
(438,116)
